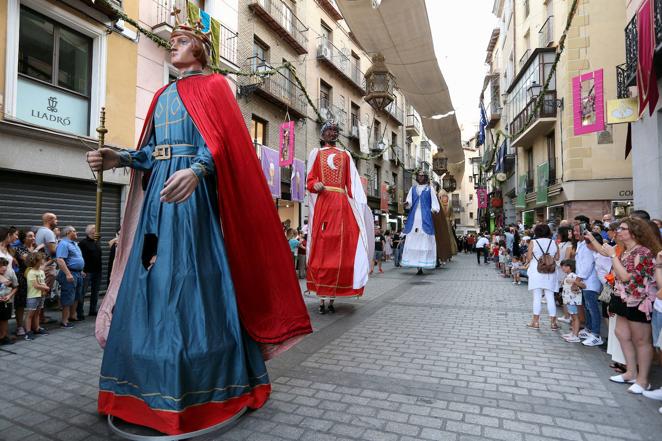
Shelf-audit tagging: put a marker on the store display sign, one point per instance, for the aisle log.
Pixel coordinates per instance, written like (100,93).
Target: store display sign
(53,108)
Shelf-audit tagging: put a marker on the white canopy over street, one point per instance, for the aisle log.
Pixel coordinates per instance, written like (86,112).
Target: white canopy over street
(400,30)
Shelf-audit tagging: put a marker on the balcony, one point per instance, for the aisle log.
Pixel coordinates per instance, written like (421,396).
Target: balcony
(395,112)
(229,40)
(329,6)
(493,112)
(373,188)
(330,111)
(277,89)
(529,182)
(413,125)
(342,63)
(546,33)
(397,154)
(530,123)
(107,9)
(377,146)
(353,127)
(163,21)
(282,20)
(631,47)
(524,58)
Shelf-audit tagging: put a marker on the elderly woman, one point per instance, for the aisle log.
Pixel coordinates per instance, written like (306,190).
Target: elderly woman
(635,285)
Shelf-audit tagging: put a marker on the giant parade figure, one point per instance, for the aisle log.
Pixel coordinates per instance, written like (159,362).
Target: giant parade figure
(203,287)
(338,242)
(443,230)
(420,250)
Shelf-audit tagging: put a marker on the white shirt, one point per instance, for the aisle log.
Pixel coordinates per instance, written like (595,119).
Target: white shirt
(585,263)
(482,242)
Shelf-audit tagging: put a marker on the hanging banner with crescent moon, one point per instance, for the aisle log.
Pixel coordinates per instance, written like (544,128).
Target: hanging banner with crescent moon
(286,144)
(271,170)
(298,184)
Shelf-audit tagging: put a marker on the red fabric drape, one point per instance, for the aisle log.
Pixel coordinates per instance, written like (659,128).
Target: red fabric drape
(646,77)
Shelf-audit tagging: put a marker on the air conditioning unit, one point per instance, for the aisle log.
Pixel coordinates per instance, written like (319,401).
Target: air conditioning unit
(324,51)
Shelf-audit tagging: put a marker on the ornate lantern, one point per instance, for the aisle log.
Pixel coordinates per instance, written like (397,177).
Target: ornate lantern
(448,183)
(439,164)
(379,84)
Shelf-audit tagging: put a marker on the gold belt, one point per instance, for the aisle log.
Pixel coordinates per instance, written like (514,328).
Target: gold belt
(166,151)
(336,189)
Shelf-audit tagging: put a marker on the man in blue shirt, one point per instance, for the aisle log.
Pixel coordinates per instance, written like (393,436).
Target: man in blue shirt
(70,262)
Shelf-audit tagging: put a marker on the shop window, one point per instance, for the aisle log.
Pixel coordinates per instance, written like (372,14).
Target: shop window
(54,74)
(258,131)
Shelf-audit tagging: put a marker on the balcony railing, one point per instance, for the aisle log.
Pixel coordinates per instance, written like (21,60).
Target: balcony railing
(413,125)
(493,111)
(353,126)
(163,22)
(342,63)
(277,88)
(631,48)
(529,182)
(279,17)
(622,89)
(397,154)
(395,112)
(330,7)
(229,40)
(524,58)
(546,33)
(330,111)
(525,118)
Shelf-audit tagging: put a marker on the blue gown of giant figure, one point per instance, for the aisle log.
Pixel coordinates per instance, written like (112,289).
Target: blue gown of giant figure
(176,340)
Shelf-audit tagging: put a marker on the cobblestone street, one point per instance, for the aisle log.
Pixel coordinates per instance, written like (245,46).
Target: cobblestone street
(445,356)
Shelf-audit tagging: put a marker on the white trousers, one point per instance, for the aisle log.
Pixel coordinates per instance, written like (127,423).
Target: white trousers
(537,301)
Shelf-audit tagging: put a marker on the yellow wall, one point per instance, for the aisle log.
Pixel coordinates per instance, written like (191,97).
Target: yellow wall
(3,51)
(121,90)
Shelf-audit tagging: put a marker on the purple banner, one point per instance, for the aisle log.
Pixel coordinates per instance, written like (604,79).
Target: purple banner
(271,170)
(298,184)
(481,194)
(286,143)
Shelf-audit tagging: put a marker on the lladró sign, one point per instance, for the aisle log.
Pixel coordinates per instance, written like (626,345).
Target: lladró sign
(50,107)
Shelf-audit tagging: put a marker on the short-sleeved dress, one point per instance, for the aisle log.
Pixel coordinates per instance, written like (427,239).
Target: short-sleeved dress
(536,279)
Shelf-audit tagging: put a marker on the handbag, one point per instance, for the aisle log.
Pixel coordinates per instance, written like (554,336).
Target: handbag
(606,293)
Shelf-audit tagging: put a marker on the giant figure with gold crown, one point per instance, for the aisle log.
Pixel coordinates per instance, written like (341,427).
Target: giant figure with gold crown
(338,242)
(192,324)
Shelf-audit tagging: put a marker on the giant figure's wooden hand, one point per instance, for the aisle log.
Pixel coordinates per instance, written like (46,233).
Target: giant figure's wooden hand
(109,158)
(180,186)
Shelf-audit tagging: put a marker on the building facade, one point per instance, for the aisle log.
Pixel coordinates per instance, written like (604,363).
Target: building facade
(556,174)
(61,63)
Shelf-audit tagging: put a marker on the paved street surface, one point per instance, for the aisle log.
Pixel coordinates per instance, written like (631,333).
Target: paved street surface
(445,356)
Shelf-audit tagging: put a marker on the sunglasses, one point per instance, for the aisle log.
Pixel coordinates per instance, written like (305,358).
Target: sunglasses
(619,229)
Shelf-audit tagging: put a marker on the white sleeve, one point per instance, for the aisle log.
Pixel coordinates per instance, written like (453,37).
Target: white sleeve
(409,196)
(357,187)
(435,201)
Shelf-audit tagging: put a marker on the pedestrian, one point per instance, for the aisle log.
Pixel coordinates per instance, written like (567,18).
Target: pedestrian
(293,243)
(515,270)
(37,291)
(46,240)
(636,286)
(397,247)
(572,298)
(22,251)
(8,289)
(656,323)
(482,248)
(91,251)
(420,249)
(388,245)
(587,274)
(380,242)
(471,241)
(541,272)
(70,262)
(301,257)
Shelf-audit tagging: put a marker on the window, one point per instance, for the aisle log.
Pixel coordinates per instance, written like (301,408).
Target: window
(471,215)
(551,157)
(378,179)
(54,81)
(258,130)
(325,32)
(325,96)
(471,195)
(471,179)
(377,132)
(394,139)
(529,170)
(355,115)
(260,54)
(455,200)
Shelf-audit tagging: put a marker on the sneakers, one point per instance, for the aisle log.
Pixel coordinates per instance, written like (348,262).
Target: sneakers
(573,339)
(563,319)
(67,326)
(29,336)
(638,390)
(514,283)
(619,379)
(6,341)
(653,394)
(322,309)
(593,341)
(20,332)
(331,309)
(41,331)
(568,335)
(584,334)
(519,283)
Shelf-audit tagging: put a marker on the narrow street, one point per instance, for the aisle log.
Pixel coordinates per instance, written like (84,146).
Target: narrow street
(445,356)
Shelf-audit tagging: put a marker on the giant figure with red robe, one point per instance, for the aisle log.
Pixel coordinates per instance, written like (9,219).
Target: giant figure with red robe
(338,242)
(186,324)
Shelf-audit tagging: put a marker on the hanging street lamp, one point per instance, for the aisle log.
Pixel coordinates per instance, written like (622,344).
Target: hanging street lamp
(379,84)
(439,164)
(448,183)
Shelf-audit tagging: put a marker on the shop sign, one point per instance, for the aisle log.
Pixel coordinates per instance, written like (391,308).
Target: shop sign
(542,183)
(49,107)
(623,110)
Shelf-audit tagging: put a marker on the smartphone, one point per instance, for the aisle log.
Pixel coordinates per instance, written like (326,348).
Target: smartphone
(582,229)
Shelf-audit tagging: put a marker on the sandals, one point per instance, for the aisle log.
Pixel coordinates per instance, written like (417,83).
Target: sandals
(533,325)
(554,325)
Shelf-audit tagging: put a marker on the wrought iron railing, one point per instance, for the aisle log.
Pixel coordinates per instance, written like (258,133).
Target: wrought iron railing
(524,58)
(622,88)
(278,85)
(284,17)
(329,111)
(546,32)
(164,10)
(413,122)
(631,52)
(229,40)
(342,61)
(547,110)
(395,111)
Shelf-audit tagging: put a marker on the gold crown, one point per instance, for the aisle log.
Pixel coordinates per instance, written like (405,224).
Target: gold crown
(196,29)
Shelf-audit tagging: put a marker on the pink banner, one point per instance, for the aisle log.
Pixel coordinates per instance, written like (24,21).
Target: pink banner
(298,184)
(481,194)
(286,144)
(271,169)
(588,106)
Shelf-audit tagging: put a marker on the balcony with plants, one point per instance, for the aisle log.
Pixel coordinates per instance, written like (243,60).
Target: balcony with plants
(280,18)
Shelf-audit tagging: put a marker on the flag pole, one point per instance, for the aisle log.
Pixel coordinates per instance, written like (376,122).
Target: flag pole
(101,130)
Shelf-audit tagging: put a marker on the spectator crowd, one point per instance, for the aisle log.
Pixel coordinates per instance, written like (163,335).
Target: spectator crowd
(47,266)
